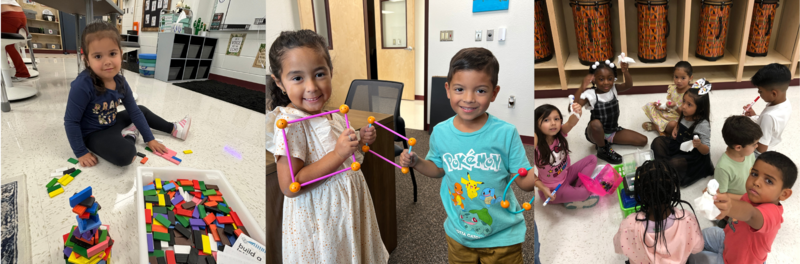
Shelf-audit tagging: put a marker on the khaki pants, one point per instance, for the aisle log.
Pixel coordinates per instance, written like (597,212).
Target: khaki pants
(457,254)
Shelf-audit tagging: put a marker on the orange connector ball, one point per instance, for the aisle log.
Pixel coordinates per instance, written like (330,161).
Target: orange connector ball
(282,123)
(404,170)
(294,187)
(505,204)
(412,141)
(527,206)
(371,119)
(365,148)
(355,166)
(344,109)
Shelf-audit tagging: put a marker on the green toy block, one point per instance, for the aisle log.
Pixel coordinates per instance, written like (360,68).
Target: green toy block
(73,161)
(161,236)
(159,209)
(202,210)
(149,228)
(53,188)
(75,173)
(51,183)
(80,250)
(210,192)
(164,221)
(183,220)
(202,186)
(69,243)
(148,149)
(188,188)
(151,199)
(224,208)
(150,193)
(157,253)
(171,207)
(103,235)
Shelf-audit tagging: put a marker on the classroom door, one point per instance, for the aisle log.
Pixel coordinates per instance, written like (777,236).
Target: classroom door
(394,34)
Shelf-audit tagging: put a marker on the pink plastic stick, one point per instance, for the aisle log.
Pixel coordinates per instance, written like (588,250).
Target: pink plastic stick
(348,126)
(324,177)
(313,116)
(387,160)
(288,155)
(398,134)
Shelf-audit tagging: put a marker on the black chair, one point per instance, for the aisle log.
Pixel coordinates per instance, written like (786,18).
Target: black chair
(381,97)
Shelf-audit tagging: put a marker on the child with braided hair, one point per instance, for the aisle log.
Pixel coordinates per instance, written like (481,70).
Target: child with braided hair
(659,230)
(601,100)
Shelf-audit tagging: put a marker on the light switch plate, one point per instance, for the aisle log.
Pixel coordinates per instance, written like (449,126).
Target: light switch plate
(446,35)
(490,35)
(478,35)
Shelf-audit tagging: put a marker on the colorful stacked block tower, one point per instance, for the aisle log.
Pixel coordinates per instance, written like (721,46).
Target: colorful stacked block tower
(89,241)
(188,221)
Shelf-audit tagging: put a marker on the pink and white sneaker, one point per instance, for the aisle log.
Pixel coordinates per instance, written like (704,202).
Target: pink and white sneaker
(130,131)
(181,130)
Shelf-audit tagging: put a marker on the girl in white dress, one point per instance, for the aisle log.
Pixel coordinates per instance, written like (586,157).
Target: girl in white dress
(332,220)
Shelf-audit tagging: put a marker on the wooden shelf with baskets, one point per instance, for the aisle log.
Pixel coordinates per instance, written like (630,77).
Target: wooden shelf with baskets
(46,40)
(564,71)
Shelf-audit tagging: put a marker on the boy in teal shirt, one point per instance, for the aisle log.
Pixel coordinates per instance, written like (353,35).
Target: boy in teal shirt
(477,154)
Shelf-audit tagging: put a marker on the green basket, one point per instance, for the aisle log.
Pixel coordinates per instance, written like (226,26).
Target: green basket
(625,211)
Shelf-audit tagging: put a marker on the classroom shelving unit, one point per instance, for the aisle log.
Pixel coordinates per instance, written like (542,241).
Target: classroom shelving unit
(45,39)
(182,57)
(564,71)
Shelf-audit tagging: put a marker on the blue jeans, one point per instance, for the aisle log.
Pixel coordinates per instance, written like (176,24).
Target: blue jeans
(713,247)
(536,244)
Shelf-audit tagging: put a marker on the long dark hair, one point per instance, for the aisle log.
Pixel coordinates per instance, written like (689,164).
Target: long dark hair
(703,110)
(601,65)
(97,31)
(658,192)
(543,151)
(286,41)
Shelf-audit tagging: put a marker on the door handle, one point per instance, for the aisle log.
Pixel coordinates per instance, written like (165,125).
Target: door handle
(409,48)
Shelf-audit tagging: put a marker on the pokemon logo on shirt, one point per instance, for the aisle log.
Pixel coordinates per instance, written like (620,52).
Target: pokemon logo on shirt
(472,160)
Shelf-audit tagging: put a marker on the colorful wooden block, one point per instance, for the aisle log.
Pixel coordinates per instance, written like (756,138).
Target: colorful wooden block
(51,183)
(80,196)
(65,180)
(188,151)
(56,192)
(73,161)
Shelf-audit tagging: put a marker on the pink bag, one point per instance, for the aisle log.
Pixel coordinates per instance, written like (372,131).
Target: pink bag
(605,183)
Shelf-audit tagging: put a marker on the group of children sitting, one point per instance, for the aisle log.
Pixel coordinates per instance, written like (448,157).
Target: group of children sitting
(752,184)
(476,154)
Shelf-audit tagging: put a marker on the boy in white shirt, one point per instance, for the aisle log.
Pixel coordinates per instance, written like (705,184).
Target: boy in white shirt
(772,82)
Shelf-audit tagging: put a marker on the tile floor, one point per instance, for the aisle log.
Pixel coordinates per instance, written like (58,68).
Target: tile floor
(34,144)
(586,235)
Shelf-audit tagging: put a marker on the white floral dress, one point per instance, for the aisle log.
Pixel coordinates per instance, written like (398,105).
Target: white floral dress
(335,222)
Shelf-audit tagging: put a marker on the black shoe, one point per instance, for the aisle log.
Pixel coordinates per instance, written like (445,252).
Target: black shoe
(608,154)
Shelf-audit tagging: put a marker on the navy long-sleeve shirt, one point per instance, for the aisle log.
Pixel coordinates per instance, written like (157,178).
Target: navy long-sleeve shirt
(89,111)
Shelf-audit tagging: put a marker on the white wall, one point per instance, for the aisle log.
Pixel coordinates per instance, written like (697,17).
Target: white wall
(281,16)
(230,66)
(419,46)
(515,54)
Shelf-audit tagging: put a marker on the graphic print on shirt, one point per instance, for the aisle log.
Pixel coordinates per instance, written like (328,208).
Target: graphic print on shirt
(489,197)
(472,186)
(561,165)
(108,113)
(471,160)
(478,221)
(457,198)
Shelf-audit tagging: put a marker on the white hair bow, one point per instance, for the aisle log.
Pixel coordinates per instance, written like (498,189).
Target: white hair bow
(702,85)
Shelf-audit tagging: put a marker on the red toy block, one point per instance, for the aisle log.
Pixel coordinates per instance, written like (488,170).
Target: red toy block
(238,232)
(213,231)
(224,220)
(170,255)
(66,236)
(196,184)
(236,219)
(211,203)
(79,209)
(215,198)
(144,160)
(185,182)
(148,216)
(183,212)
(108,251)
(85,215)
(197,194)
(209,219)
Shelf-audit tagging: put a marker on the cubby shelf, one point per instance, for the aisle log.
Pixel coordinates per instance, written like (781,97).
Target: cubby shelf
(564,71)
(182,57)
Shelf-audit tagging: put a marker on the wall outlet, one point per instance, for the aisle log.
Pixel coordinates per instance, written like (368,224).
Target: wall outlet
(446,35)
(490,35)
(478,35)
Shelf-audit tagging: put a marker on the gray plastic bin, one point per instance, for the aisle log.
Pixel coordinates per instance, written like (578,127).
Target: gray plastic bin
(173,73)
(177,48)
(187,73)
